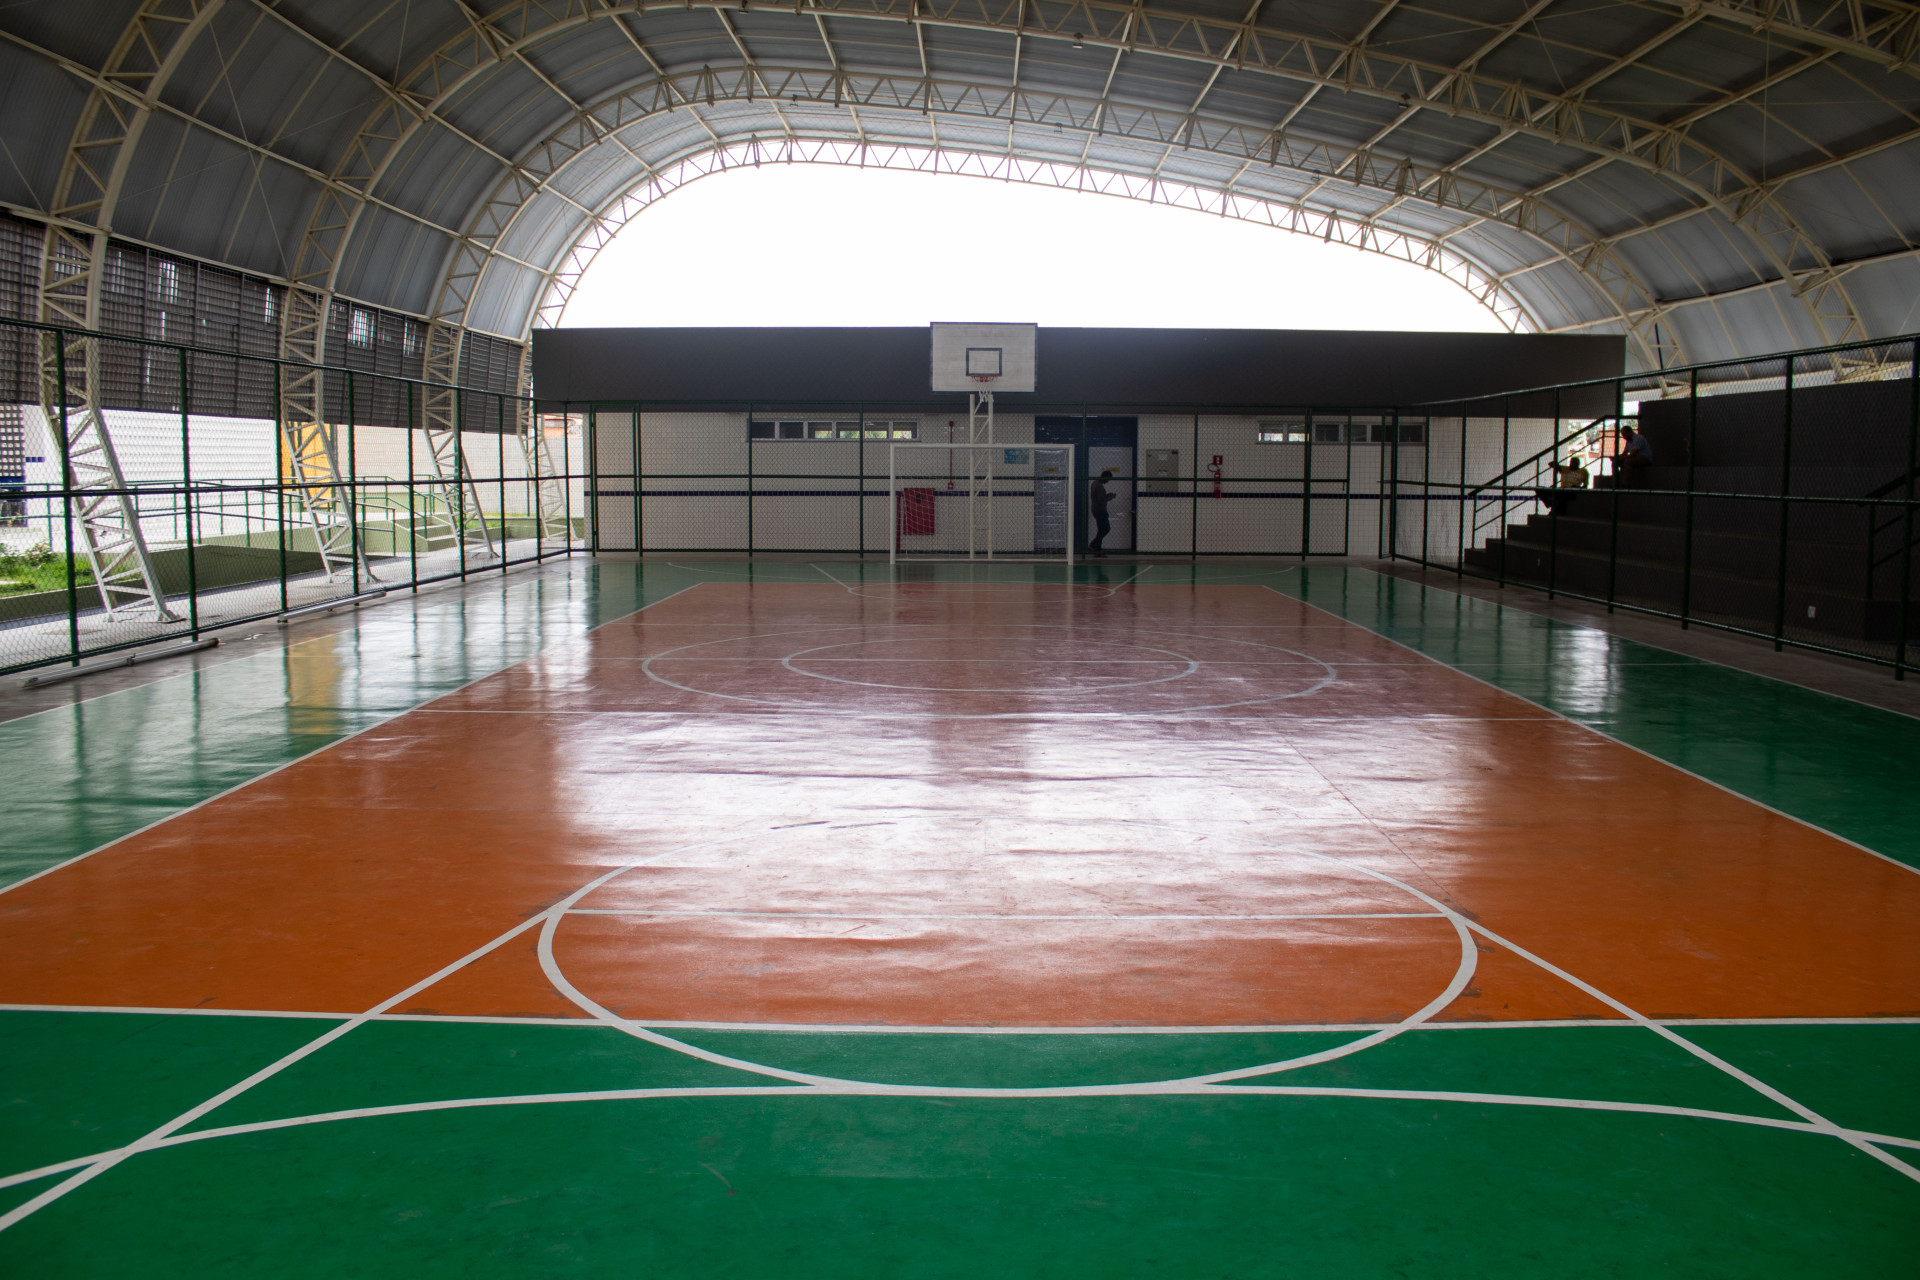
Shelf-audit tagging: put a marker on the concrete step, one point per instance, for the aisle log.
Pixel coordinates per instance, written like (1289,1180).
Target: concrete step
(1816,610)
(1840,564)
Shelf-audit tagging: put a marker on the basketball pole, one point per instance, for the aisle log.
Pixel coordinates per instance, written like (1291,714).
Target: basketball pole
(979,431)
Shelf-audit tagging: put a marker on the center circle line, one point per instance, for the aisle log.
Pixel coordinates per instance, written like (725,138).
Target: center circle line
(1193,665)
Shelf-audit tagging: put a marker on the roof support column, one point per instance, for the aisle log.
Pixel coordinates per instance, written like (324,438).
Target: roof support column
(459,499)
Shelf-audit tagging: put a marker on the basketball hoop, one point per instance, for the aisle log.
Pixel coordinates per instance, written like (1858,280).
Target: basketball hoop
(984,378)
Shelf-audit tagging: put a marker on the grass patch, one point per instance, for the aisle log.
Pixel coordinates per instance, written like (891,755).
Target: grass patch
(37,569)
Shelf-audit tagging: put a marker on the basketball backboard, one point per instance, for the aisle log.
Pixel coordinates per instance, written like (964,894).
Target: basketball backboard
(983,357)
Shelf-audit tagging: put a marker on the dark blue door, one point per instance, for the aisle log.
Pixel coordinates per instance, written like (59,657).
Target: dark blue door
(1100,443)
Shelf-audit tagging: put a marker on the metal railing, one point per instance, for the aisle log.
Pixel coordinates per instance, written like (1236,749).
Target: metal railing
(695,476)
(222,507)
(1780,502)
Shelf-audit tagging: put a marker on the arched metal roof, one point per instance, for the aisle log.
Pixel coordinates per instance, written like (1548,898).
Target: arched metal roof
(1711,179)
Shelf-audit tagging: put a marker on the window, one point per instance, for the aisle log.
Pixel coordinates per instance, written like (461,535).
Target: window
(169,280)
(270,307)
(1283,431)
(360,329)
(833,429)
(410,338)
(1371,429)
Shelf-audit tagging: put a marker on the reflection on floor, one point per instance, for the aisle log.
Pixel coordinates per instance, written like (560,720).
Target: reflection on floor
(796,919)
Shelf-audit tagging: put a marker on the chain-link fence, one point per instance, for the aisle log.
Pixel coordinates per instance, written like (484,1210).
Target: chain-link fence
(748,478)
(150,489)
(1773,497)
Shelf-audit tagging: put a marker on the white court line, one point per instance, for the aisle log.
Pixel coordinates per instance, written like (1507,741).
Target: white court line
(1173,658)
(1179,715)
(853,588)
(157,1137)
(164,1011)
(1759,1086)
(801,707)
(1173,1089)
(1602,733)
(861,1028)
(1463,974)
(1015,662)
(939,915)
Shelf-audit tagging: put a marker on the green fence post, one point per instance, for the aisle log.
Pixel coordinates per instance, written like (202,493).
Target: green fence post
(566,477)
(1392,522)
(352,487)
(1506,453)
(750,479)
(1613,522)
(860,489)
(186,500)
(1426,501)
(1906,515)
(1306,486)
(413,491)
(1693,464)
(1460,506)
(1346,496)
(281,459)
(592,494)
(500,471)
(460,479)
(1786,511)
(1193,495)
(1553,517)
(66,485)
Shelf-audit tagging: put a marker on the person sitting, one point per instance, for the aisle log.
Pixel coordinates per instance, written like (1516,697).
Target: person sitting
(1635,456)
(1571,474)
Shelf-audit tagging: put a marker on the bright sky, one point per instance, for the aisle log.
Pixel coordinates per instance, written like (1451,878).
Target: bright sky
(825,245)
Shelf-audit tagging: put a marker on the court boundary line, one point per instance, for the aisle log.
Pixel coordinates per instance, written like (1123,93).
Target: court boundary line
(1721,786)
(1704,1054)
(155,1137)
(875,1028)
(1766,1090)
(1150,1090)
(305,756)
(152,1137)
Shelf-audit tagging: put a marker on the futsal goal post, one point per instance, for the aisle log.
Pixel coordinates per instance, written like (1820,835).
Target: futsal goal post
(1011,502)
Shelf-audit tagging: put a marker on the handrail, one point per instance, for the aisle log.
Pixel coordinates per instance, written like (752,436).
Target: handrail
(1554,448)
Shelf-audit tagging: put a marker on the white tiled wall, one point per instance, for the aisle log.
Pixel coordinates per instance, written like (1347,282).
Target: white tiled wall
(695,496)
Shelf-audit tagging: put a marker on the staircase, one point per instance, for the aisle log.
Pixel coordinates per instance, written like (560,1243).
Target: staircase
(1841,561)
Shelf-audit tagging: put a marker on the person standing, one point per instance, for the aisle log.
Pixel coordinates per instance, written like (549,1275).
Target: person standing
(1099,497)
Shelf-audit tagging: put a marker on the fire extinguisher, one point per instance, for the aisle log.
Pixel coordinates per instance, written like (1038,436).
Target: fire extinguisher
(1214,471)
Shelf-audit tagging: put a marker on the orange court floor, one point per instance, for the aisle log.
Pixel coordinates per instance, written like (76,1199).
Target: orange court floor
(839,920)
